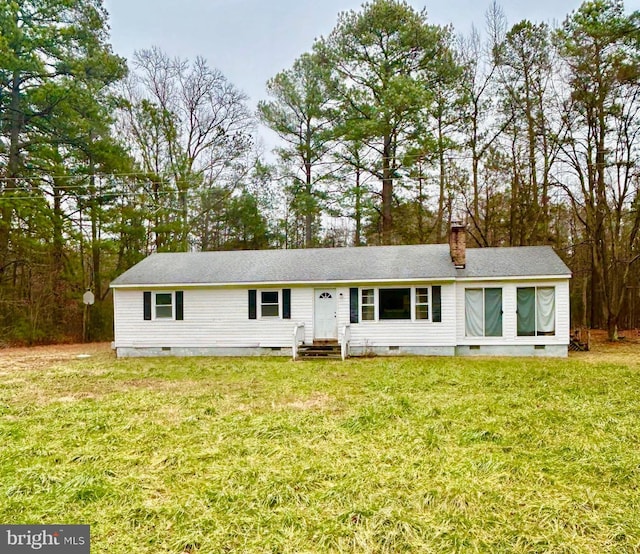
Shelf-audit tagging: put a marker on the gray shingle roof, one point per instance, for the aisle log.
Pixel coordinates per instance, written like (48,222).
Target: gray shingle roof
(514,261)
(373,263)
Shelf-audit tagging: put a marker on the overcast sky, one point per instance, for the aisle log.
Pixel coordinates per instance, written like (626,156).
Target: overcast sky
(252,40)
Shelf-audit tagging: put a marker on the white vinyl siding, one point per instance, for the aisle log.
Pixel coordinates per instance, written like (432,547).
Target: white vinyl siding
(212,317)
(217,317)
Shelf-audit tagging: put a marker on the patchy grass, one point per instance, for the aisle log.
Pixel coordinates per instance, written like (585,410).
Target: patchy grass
(375,455)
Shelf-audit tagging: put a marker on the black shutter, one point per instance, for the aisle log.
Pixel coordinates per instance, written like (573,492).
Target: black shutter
(147,305)
(179,304)
(353,305)
(286,303)
(253,304)
(436,293)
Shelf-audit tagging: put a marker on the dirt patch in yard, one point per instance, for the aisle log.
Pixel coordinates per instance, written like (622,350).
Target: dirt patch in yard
(624,351)
(36,357)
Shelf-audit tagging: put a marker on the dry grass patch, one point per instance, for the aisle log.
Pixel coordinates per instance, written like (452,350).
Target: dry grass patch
(316,401)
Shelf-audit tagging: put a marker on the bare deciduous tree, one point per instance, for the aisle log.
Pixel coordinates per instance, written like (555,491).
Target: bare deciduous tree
(191,131)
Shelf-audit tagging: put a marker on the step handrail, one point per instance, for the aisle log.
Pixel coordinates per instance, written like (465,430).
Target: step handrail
(345,340)
(298,339)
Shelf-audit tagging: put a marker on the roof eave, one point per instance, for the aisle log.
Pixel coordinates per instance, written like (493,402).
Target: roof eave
(337,282)
(263,284)
(516,277)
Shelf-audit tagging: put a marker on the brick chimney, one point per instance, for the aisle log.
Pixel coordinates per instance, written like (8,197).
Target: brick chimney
(458,244)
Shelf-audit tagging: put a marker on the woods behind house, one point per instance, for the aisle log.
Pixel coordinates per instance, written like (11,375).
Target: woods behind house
(389,128)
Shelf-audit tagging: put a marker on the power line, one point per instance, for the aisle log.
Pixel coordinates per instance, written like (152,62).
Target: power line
(103,176)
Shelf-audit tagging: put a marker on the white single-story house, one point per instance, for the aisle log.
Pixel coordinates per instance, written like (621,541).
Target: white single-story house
(421,299)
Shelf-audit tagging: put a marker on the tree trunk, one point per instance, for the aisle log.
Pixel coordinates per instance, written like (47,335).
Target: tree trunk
(96,278)
(515,223)
(358,210)
(93,313)
(16,121)
(57,255)
(184,211)
(308,210)
(531,230)
(387,192)
(420,208)
(475,162)
(442,182)
(612,327)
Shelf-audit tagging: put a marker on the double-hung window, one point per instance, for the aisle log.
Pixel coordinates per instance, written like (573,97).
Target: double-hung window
(536,311)
(422,303)
(483,312)
(163,305)
(368,305)
(269,303)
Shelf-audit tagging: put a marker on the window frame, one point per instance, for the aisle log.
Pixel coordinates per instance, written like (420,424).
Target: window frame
(427,304)
(412,310)
(537,333)
(155,305)
(261,304)
(484,313)
(372,304)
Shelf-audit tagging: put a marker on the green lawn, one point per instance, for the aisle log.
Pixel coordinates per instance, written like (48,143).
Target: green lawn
(372,455)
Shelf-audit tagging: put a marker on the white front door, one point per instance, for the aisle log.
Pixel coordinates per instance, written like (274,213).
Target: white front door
(325,321)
